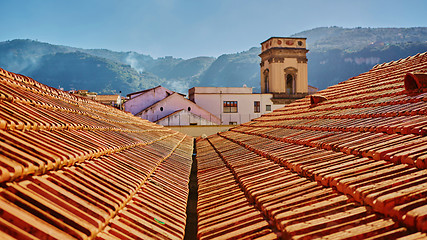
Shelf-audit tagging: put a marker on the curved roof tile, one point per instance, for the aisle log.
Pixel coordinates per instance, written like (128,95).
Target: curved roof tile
(353,166)
(71,168)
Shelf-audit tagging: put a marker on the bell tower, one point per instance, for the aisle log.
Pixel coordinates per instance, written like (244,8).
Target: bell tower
(284,66)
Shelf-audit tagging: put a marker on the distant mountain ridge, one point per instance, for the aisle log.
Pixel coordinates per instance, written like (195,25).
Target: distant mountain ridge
(356,39)
(336,54)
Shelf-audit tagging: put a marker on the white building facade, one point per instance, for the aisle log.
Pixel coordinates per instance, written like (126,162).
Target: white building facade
(233,105)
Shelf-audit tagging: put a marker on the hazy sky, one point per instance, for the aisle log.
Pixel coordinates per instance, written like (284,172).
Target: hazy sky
(190,28)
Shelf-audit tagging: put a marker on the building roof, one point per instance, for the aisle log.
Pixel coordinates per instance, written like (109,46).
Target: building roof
(220,90)
(71,168)
(147,90)
(284,37)
(143,91)
(348,163)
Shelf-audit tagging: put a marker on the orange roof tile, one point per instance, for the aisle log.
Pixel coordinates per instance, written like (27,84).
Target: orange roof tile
(349,163)
(223,210)
(71,168)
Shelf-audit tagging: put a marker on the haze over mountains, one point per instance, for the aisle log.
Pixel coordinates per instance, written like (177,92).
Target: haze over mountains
(336,54)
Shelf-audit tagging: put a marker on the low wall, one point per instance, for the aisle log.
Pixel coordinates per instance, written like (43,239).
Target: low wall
(199,130)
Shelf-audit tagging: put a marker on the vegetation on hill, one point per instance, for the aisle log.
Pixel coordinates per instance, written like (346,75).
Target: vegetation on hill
(234,70)
(336,54)
(78,70)
(330,67)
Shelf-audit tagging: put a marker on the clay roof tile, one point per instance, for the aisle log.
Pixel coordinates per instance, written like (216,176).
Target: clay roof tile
(366,145)
(75,169)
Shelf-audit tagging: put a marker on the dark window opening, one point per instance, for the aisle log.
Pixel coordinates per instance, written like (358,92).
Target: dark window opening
(161,109)
(189,108)
(266,81)
(257,107)
(289,84)
(267,107)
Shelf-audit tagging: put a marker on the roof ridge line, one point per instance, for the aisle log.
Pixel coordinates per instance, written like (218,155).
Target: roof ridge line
(129,199)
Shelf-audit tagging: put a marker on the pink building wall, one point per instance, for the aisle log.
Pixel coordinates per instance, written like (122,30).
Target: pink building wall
(173,103)
(142,100)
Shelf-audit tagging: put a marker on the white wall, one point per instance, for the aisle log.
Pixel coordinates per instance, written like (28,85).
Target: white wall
(245,104)
(184,118)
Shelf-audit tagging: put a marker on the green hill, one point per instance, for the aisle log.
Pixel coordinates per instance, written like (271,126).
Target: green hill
(78,70)
(233,70)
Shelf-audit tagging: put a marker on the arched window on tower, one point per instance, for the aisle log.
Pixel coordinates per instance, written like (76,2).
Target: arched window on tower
(290,84)
(266,81)
(291,75)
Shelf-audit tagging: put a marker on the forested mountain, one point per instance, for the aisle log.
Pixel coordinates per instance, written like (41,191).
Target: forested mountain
(336,54)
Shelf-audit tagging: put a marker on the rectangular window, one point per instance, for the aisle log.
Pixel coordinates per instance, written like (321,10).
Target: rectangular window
(257,107)
(230,106)
(267,107)
(232,123)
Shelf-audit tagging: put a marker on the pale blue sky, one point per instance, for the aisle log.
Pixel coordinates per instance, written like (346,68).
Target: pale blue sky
(190,28)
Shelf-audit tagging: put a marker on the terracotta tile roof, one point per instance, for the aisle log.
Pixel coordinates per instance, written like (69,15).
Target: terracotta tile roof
(71,168)
(223,210)
(351,164)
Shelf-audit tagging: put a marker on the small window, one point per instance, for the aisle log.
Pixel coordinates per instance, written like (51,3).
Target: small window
(230,106)
(189,108)
(267,107)
(257,107)
(266,83)
(299,43)
(161,109)
(232,123)
(192,124)
(289,84)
